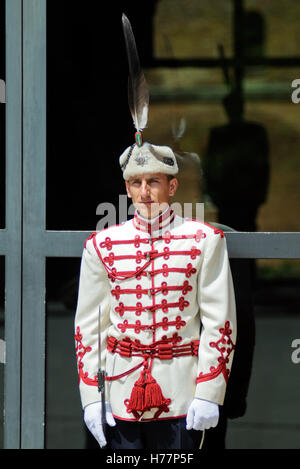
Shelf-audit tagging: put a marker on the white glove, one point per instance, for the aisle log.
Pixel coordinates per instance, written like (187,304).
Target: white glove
(93,420)
(202,415)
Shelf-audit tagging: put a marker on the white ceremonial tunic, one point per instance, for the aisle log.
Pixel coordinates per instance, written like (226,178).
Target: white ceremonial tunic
(168,319)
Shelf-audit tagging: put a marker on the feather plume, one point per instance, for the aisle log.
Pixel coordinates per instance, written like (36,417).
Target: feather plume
(138,93)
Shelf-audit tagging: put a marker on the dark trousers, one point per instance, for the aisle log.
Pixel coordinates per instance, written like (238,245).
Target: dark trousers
(162,434)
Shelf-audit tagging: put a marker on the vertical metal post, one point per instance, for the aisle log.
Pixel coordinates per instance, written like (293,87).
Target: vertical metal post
(13,231)
(34,207)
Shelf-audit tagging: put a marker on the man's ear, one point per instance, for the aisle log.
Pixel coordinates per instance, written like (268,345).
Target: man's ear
(127,189)
(173,187)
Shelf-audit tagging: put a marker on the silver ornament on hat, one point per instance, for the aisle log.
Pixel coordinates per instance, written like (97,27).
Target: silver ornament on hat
(141,159)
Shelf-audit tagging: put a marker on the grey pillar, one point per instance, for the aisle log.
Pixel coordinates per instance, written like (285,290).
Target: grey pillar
(10,238)
(34,186)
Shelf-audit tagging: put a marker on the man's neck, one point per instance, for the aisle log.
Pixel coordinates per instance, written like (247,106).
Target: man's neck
(156,224)
(152,219)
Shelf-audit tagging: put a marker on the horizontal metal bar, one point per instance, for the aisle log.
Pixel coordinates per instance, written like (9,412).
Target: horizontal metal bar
(257,245)
(64,243)
(243,245)
(260,245)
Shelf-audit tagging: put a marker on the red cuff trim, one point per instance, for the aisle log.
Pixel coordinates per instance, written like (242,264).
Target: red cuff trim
(224,346)
(81,350)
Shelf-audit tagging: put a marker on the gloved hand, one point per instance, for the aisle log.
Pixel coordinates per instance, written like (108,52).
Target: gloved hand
(202,415)
(93,420)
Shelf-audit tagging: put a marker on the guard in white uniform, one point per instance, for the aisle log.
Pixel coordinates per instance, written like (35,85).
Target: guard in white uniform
(168,323)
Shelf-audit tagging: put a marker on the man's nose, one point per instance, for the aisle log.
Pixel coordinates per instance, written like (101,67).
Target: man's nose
(144,189)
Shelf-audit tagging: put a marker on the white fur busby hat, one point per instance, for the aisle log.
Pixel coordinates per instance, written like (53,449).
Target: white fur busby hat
(141,158)
(147,159)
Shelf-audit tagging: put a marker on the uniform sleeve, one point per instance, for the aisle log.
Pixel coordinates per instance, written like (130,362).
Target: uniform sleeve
(218,321)
(93,292)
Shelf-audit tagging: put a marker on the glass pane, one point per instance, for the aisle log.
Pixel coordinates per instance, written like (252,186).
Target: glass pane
(278,40)
(280,119)
(250,169)
(189,30)
(256,176)
(248,179)
(64,424)
(88,125)
(266,414)
(192,29)
(2,346)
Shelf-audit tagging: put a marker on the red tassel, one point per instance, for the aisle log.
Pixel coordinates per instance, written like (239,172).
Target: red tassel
(153,394)
(146,394)
(136,401)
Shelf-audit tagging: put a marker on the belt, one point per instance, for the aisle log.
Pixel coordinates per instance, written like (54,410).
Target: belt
(162,349)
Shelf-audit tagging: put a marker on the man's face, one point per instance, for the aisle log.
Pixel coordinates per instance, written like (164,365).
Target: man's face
(150,193)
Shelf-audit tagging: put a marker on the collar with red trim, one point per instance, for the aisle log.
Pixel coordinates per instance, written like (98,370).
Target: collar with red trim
(154,225)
